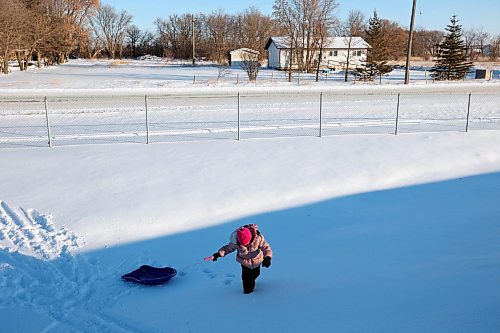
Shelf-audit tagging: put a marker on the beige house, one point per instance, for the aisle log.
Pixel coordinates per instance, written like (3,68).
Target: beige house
(237,57)
(334,54)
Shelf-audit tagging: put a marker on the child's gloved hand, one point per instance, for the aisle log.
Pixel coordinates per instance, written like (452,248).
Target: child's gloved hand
(216,256)
(267,262)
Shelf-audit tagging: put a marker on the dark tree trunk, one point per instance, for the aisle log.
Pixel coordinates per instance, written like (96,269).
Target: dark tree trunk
(6,65)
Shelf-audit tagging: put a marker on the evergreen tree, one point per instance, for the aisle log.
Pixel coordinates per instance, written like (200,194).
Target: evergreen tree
(376,59)
(451,63)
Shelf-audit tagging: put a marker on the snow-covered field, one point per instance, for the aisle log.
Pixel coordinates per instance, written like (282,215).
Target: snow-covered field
(370,233)
(151,74)
(107,103)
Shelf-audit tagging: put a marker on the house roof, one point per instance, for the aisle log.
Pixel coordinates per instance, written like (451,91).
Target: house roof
(330,43)
(244,49)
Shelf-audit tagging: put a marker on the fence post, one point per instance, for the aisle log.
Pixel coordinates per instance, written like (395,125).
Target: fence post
(397,116)
(194,79)
(468,113)
(147,123)
(238,116)
(48,124)
(298,79)
(237,79)
(321,114)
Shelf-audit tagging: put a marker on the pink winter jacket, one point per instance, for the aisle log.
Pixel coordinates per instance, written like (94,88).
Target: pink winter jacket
(252,254)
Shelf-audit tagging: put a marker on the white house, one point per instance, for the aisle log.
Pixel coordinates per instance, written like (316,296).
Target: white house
(237,57)
(334,53)
(490,49)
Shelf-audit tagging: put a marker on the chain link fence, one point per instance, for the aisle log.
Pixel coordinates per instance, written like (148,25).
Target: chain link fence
(58,121)
(188,118)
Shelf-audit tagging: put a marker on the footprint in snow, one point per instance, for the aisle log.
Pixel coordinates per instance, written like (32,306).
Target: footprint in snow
(209,273)
(230,278)
(34,234)
(40,270)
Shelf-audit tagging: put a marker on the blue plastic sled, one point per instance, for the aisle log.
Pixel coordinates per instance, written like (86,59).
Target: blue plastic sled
(150,275)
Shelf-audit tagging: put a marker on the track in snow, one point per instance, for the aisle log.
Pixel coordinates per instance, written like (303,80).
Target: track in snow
(42,275)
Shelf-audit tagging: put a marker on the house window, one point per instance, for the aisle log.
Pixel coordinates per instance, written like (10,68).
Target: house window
(332,53)
(356,53)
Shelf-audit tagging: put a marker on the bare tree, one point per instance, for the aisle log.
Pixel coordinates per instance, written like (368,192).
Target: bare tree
(110,27)
(354,26)
(432,40)
(216,33)
(133,34)
(161,31)
(307,24)
(494,52)
(253,29)
(325,21)
(425,43)
(287,18)
(251,64)
(93,46)
(175,35)
(148,44)
(218,26)
(222,71)
(11,33)
(44,34)
(74,11)
(470,39)
(67,19)
(356,23)
(482,39)
(475,40)
(396,39)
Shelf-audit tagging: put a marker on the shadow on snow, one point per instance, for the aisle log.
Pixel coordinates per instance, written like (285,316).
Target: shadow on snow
(416,259)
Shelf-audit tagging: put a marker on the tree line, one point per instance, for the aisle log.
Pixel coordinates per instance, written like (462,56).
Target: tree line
(47,32)
(43,30)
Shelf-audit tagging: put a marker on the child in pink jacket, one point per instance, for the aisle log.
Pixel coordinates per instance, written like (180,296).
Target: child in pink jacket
(253,250)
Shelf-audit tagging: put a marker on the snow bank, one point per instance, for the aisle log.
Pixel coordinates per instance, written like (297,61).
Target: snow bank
(355,247)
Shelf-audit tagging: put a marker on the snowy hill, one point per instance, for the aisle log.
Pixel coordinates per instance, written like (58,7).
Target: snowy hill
(370,233)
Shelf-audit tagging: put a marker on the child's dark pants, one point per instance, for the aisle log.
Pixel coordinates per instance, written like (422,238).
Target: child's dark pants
(249,275)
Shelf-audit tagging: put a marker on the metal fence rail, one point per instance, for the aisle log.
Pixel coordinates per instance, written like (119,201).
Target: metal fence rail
(65,120)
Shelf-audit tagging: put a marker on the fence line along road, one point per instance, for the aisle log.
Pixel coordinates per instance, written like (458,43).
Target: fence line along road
(42,121)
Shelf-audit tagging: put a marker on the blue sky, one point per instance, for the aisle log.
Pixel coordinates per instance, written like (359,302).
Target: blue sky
(431,14)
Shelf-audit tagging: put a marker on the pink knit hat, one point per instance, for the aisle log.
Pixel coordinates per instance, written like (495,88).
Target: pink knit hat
(244,236)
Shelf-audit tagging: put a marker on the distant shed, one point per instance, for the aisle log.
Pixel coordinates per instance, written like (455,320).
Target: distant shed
(237,57)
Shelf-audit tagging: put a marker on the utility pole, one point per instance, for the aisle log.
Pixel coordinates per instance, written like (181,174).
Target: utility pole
(410,38)
(194,41)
